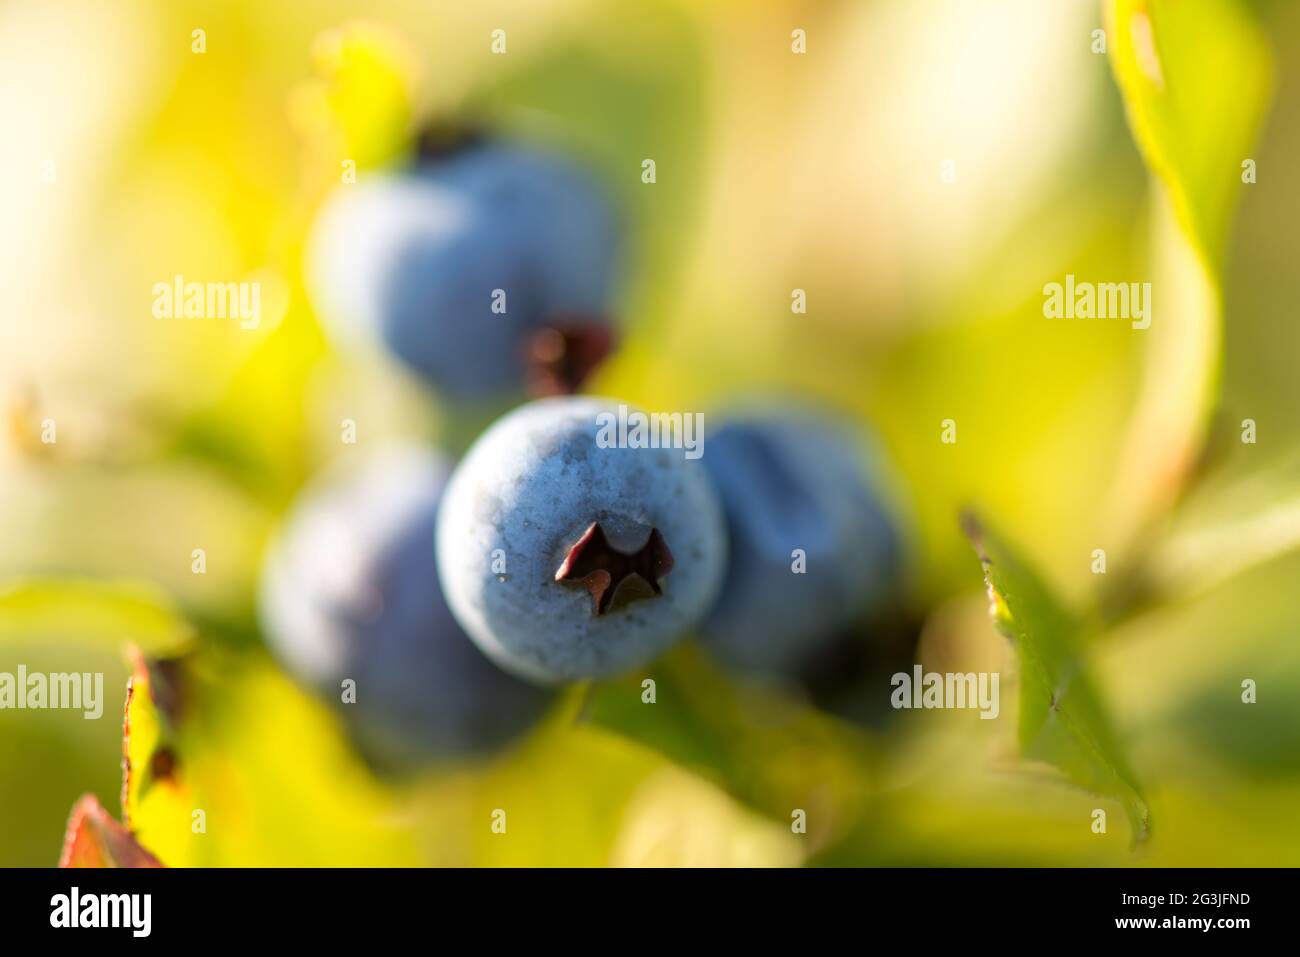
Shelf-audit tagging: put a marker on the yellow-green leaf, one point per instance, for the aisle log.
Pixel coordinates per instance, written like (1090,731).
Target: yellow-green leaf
(362,93)
(1196,79)
(242,767)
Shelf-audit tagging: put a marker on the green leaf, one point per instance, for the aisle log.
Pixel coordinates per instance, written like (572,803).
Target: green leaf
(118,612)
(767,750)
(1196,79)
(1062,720)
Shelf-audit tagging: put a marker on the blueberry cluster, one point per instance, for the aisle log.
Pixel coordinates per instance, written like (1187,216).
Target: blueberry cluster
(769,547)
(441,607)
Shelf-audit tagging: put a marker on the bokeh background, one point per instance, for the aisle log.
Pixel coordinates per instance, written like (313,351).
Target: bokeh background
(127,159)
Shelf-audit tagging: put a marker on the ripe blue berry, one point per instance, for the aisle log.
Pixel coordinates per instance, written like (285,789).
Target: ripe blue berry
(456,264)
(351,590)
(566,560)
(562,217)
(812,546)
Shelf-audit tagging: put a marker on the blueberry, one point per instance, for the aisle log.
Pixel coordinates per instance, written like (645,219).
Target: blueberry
(556,208)
(351,590)
(795,480)
(567,560)
(420,260)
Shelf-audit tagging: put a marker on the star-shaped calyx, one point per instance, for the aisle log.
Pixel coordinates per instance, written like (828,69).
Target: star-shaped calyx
(609,573)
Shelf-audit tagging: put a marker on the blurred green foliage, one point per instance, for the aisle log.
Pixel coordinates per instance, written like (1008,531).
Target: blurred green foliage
(774,172)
